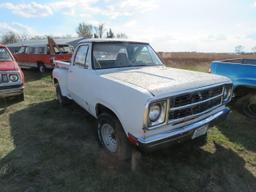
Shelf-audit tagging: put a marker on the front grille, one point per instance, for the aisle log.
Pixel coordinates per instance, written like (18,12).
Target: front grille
(4,78)
(194,103)
(196,96)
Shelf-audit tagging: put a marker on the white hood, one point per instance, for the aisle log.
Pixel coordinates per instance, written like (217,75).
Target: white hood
(164,80)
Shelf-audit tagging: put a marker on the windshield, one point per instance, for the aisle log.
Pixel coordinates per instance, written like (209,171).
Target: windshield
(5,55)
(115,55)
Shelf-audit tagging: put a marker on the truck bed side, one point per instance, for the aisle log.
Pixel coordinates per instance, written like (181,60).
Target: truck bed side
(60,73)
(241,72)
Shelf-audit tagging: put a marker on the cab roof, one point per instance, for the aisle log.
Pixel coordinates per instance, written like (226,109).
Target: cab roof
(110,41)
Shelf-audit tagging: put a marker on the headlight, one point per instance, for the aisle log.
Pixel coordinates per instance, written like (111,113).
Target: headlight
(13,77)
(156,113)
(227,93)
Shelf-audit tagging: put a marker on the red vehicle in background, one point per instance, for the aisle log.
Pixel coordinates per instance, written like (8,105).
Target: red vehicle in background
(42,56)
(11,76)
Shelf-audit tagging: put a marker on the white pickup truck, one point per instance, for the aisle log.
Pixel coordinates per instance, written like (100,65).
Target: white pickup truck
(137,100)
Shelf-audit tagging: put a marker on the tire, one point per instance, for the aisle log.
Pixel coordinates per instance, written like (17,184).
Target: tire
(41,68)
(247,105)
(20,97)
(112,137)
(201,141)
(62,100)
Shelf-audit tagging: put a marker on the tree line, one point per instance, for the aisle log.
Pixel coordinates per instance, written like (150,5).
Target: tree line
(83,30)
(100,31)
(239,49)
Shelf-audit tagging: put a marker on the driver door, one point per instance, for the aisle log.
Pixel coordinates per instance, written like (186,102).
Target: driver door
(77,75)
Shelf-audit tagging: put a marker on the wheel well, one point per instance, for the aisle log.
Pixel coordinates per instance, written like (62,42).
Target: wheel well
(39,63)
(242,91)
(101,108)
(55,81)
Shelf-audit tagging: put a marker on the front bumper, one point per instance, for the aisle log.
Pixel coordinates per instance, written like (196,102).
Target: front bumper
(11,91)
(181,134)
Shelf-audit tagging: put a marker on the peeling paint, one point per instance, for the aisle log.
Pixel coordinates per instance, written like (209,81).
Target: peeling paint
(162,80)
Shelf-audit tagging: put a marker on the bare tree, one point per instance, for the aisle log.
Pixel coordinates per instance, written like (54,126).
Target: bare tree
(95,35)
(121,36)
(239,49)
(101,30)
(10,37)
(254,50)
(85,30)
(110,34)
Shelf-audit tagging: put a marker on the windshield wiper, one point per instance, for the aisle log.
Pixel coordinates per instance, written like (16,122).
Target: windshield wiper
(144,65)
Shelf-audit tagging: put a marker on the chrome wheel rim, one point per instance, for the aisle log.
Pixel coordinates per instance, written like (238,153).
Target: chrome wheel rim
(109,137)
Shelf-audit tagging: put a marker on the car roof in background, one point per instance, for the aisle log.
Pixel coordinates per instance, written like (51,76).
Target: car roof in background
(41,42)
(1,45)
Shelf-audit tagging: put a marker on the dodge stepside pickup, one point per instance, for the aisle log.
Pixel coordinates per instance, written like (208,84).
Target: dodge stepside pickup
(137,99)
(242,72)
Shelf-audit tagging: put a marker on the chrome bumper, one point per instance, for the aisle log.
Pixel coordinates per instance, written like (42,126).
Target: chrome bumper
(10,92)
(180,134)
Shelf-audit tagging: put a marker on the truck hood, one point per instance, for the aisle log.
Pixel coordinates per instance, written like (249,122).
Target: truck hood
(8,66)
(165,81)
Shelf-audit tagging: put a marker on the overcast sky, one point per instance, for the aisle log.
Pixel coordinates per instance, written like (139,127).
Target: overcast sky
(169,25)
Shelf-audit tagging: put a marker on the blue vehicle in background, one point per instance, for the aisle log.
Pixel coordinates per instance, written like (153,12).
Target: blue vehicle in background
(242,72)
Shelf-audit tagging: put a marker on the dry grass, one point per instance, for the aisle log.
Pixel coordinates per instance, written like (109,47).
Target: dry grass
(44,147)
(197,61)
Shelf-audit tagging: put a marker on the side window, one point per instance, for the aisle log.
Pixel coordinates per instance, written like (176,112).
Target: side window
(80,58)
(27,50)
(32,50)
(21,50)
(39,50)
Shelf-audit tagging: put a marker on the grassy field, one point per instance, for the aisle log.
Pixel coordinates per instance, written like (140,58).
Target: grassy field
(197,61)
(44,147)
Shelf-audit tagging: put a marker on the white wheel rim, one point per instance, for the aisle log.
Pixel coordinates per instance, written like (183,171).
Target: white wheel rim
(41,68)
(108,137)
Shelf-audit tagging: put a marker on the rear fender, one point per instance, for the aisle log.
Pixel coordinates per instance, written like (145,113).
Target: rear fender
(60,76)
(245,82)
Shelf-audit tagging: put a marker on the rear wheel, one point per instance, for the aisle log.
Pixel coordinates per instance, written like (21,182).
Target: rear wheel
(41,68)
(112,136)
(62,100)
(247,105)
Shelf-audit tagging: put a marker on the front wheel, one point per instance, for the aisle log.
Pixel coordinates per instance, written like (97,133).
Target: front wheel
(247,105)
(112,136)
(201,141)
(20,97)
